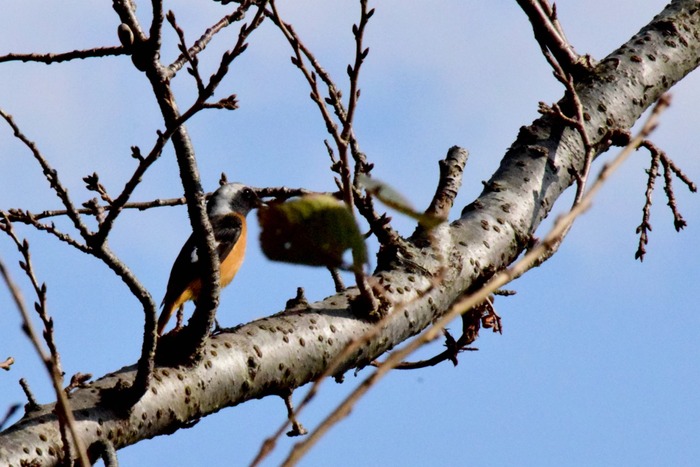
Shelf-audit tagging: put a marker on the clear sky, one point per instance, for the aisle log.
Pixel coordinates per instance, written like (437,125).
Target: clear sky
(598,361)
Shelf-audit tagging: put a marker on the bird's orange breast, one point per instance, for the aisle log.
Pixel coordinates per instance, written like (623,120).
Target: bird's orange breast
(232,262)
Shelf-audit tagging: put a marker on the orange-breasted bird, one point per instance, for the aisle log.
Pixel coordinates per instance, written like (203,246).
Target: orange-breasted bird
(227,209)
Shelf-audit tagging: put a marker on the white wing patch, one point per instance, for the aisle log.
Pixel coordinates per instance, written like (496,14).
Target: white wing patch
(194,256)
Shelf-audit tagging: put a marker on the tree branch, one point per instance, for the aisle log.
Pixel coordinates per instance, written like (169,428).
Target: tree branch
(451,169)
(50,58)
(550,36)
(290,349)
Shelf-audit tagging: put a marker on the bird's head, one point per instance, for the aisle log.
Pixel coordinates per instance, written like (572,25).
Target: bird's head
(233,197)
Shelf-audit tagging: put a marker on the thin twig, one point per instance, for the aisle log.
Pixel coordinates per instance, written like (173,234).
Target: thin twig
(337,280)
(191,59)
(17,215)
(644,228)
(50,58)
(201,43)
(578,122)
(32,404)
(9,361)
(297,428)
(156,29)
(549,34)
(240,47)
(366,300)
(678,221)
(669,168)
(484,315)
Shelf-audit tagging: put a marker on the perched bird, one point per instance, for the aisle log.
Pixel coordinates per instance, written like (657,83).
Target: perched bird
(227,209)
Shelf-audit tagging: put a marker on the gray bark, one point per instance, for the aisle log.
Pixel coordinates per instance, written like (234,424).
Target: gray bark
(291,348)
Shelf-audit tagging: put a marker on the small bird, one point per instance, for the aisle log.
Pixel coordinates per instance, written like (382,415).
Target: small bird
(227,209)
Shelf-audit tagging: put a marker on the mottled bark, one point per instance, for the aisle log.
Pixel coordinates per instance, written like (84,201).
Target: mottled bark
(289,349)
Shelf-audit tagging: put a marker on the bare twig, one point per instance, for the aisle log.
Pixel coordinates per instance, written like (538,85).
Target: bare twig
(50,58)
(78,380)
(201,43)
(578,122)
(679,173)
(669,168)
(32,403)
(644,228)
(344,137)
(191,59)
(550,35)
(240,47)
(17,215)
(337,280)
(283,193)
(453,348)
(451,170)
(678,221)
(297,428)
(354,70)
(156,29)
(9,360)
(484,315)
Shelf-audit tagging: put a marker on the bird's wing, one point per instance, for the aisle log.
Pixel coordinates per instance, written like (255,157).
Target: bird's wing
(227,232)
(187,267)
(183,272)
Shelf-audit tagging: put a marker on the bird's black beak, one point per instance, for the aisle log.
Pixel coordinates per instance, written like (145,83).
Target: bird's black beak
(258,200)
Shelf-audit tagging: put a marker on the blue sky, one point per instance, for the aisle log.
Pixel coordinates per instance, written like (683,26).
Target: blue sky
(598,362)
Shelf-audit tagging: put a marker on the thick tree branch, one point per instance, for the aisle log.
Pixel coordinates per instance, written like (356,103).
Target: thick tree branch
(287,350)
(472,300)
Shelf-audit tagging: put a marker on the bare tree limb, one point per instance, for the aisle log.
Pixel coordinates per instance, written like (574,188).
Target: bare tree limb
(293,348)
(472,300)
(50,58)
